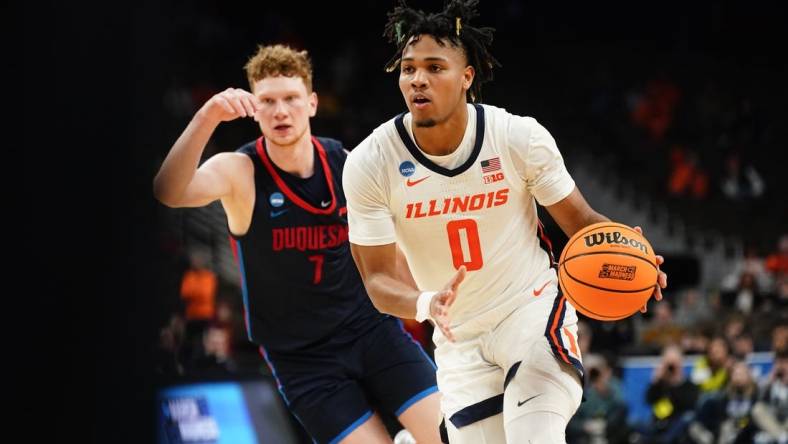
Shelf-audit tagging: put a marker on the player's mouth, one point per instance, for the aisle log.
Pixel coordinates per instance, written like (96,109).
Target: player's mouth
(420,101)
(282,129)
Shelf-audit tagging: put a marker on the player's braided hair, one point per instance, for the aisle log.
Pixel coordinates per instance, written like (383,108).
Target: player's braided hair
(452,25)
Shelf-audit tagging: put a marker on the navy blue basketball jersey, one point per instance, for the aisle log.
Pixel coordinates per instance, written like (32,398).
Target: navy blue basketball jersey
(300,284)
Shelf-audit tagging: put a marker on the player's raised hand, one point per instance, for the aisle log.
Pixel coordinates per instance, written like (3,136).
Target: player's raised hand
(231,104)
(442,301)
(662,277)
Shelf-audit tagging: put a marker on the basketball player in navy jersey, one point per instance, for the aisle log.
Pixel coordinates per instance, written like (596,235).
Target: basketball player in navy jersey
(331,351)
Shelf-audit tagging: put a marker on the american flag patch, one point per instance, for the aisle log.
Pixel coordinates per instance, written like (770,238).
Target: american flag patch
(489,165)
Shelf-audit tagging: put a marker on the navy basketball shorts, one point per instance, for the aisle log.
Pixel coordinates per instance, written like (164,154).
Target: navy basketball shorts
(332,387)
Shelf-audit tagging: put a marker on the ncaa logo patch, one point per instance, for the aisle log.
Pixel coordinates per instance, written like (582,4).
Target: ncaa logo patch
(277,199)
(407,168)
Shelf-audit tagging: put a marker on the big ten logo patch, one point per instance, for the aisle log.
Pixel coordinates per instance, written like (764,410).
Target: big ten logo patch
(491,178)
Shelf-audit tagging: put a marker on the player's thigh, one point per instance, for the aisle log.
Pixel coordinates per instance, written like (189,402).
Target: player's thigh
(486,431)
(537,428)
(332,412)
(318,391)
(396,372)
(371,431)
(422,419)
(471,386)
(541,383)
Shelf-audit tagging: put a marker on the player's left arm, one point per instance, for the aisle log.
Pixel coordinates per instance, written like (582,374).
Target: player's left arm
(573,213)
(548,180)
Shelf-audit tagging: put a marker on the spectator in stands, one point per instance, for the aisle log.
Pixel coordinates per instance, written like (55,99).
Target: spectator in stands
(198,293)
(687,176)
(692,309)
(747,279)
(780,336)
(168,352)
(198,289)
(602,417)
(741,183)
(710,372)
(613,336)
(780,302)
(670,396)
(662,329)
(777,262)
(747,295)
(585,337)
(734,325)
(654,109)
(696,339)
(234,325)
(771,411)
(726,416)
(216,359)
(743,345)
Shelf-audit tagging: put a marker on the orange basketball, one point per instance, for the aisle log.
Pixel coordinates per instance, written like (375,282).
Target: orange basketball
(608,271)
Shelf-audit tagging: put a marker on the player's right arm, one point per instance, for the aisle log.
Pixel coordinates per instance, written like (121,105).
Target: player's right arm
(383,267)
(179,183)
(388,288)
(392,292)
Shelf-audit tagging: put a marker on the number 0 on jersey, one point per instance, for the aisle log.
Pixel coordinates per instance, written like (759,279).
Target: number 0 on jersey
(464,243)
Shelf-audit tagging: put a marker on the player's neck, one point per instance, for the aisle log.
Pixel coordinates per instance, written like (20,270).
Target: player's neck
(297,158)
(445,137)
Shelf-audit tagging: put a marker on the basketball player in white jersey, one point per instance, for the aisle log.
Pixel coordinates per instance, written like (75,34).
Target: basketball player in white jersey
(454,186)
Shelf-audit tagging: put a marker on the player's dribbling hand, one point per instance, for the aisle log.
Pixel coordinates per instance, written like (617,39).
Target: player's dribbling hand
(231,104)
(662,278)
(442,301)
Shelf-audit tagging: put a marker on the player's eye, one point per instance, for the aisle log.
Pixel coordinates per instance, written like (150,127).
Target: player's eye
(407,69)
(436,68)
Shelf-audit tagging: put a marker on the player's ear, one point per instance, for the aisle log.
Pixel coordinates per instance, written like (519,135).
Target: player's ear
(312,104)
(467,77)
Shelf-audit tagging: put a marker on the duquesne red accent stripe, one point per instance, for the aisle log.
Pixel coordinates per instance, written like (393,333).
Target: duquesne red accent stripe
(233,247)
(321,152)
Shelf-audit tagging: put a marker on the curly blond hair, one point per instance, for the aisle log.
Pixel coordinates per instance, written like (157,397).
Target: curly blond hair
(279,60)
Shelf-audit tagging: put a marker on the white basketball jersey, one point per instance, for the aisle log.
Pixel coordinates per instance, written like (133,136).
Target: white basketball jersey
(474,207)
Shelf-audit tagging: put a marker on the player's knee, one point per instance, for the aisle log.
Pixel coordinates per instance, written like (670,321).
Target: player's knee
(537,428)
(534,390)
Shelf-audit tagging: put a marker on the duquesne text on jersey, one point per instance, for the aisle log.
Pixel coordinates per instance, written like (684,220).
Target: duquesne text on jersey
(315,237)
(460,204)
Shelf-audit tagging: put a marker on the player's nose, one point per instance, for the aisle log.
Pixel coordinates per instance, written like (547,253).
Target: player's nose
(280,110)
(419,79)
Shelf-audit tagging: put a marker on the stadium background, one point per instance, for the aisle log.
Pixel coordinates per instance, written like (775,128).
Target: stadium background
(647,104)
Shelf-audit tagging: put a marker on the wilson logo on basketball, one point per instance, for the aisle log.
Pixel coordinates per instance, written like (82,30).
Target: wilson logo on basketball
(614,238)
(621,272)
